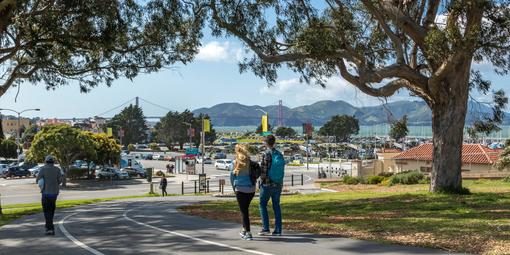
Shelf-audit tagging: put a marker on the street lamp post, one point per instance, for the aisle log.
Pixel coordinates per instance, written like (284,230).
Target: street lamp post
(18,133)
(189,130)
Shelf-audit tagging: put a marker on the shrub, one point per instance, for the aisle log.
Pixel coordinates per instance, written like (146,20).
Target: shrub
(407,178)
(350,180)
(506,179)
(154,147)
(425,180)
(385,174)
(375,179)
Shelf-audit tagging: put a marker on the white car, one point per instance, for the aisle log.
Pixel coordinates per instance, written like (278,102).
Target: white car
(224,164)
(34,171)
(111,173)
(158,157)
(207,160)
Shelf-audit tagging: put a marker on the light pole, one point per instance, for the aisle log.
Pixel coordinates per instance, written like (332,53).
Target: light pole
(189,130)
(18,131)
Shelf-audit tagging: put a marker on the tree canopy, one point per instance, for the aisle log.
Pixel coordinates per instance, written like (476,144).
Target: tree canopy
(399,129)
(132,123)
(426,47)
(285,132)
(340,126)
(8,148)
(172,129)
(65,143)
(92,42)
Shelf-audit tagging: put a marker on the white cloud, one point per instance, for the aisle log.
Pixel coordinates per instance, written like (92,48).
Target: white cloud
(296,93)
(216,51)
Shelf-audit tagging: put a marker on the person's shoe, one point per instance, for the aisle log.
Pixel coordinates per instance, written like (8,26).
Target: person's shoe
(247,236)
(275,233)
(48,232)
(242,233)
(264,233)
(52,232)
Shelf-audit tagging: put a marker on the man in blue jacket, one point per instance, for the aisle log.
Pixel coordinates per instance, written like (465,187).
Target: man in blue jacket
(272,173)
(51,176)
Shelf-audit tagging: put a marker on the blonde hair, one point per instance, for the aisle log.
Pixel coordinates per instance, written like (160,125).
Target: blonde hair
(242,158)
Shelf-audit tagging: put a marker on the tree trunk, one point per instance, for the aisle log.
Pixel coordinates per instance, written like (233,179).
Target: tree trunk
(448,117)
(64,178)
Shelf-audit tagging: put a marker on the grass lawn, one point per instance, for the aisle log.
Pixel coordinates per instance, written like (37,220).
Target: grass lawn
(12,212)
(477,223)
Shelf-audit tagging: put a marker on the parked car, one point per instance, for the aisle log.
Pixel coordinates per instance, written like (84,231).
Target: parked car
(148,156)
(169,158)
(134,172)
(220,155)
(34,171)
(224,164)
(207,160)
(111,173)
(15,171)
(3,169)
(158,157)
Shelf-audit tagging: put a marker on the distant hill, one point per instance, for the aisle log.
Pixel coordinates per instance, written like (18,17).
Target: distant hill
(418,113)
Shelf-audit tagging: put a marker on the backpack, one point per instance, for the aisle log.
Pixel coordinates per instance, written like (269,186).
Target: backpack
(276,172)
(255,171)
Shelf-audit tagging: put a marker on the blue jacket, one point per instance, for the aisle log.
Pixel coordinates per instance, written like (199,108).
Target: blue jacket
(241,180)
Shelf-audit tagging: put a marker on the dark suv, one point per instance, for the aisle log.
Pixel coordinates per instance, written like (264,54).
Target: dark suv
(15,171)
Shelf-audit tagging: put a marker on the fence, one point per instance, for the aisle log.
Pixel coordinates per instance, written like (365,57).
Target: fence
(209,186)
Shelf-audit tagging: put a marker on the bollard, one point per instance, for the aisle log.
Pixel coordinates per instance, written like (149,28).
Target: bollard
(292,180)
(195,186)
(182,188)
(207,190)
(302,180)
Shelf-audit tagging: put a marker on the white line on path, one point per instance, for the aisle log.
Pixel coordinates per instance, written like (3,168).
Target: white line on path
(73,239)
(194,238)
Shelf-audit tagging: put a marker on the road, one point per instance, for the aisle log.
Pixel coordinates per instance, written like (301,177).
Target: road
(24,190)
(154,226)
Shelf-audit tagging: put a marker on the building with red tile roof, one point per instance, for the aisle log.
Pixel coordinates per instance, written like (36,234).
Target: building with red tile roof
(477,161)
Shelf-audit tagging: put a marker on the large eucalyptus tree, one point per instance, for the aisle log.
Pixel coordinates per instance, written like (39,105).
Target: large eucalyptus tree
(427,47)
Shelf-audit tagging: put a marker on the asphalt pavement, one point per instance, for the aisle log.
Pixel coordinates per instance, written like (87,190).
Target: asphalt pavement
(154,226)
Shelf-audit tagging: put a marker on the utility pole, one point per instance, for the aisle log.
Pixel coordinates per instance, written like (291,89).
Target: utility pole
(18,132)
(202,142)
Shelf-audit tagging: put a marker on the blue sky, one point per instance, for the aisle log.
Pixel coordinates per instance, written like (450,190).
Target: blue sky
(211,79)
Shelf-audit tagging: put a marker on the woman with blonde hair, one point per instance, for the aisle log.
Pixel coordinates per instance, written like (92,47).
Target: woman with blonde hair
(243,178)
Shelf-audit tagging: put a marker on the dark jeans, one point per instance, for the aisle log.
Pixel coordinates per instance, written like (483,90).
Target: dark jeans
(48,204)
(273,192)
(163,191)
(244,200)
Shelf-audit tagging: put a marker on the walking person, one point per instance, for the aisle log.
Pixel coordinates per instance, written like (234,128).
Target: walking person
(162,185)
(243,177)
(272,173)
(49,180)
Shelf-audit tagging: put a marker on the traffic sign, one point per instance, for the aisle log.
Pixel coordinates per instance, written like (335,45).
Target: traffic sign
(192,151)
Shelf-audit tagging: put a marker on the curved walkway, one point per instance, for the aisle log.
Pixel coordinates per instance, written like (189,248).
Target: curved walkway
(154,226)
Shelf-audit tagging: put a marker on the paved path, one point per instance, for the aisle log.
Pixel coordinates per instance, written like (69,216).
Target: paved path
(153,226)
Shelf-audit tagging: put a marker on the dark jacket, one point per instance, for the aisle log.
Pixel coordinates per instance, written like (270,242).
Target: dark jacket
(265,165)
(52,179)
(163,182)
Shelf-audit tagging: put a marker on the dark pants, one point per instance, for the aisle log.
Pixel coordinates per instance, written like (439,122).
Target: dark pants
(48,204)
(163,191)
(244,200)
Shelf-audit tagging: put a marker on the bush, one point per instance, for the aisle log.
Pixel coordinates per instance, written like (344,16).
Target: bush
(506,179)
(375,179)
(385,174)
(154,147)
(407,178)
(349,180)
